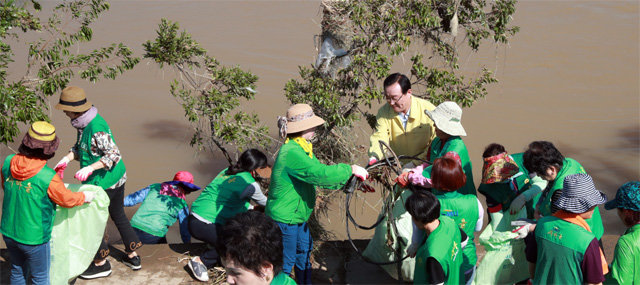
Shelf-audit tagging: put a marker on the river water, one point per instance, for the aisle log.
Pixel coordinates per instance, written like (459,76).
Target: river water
(569,76)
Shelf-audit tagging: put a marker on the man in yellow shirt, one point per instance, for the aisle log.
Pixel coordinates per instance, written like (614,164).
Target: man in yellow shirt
(402,122)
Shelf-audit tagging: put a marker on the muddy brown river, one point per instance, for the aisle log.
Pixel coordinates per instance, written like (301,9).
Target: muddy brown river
(570,76)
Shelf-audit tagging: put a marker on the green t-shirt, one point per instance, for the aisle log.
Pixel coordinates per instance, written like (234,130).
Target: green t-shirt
(27,210)
(443,244)
(625,268)
(221,199)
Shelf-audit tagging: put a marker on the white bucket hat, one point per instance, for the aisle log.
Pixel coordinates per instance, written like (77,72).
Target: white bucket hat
(447,117)
(299,117)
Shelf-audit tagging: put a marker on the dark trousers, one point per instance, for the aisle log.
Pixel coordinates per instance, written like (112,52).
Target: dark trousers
(116,212)
(147,238)
(208,233)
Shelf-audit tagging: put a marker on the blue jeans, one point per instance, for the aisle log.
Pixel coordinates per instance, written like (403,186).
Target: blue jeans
(297,244)
(28,260)
(147,238)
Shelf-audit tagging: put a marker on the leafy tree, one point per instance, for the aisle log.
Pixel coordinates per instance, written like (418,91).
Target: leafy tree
(50,63)
(365,37)
(209,93)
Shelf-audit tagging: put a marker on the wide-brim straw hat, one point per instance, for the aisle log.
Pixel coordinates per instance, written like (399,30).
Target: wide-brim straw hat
(73,99)
(300,117)
(447,117)
(579,194)
(42,135)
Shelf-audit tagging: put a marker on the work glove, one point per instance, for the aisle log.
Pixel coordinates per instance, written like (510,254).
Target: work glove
(360,172)
(89,196)
(517,204)
(372,160)
(61,166)
(522,231)
(84,173)
(403,179)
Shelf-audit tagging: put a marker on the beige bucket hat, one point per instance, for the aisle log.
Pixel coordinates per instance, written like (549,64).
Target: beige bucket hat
(73,99)
(299,117)
(447,117)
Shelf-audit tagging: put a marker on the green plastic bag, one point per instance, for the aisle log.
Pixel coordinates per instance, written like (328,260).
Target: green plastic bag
(76,235)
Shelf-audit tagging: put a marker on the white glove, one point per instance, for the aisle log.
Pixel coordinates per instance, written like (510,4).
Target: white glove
(84,173)
(372,160)
(523,231)
(517,204)
(360,172)
(88,196)
(61,166)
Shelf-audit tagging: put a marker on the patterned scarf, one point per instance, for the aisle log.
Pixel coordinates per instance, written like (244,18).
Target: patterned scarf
(305,144)
(577,220)
(172,190)
(498,168)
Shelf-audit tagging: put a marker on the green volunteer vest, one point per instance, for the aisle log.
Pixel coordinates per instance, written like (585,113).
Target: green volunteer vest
(282,279)
(157,212)
(220,200)
(561,248)
(569,167)
(463,209)
(453,144)
(27,210)
(443,245)
(101,177)
(503,193)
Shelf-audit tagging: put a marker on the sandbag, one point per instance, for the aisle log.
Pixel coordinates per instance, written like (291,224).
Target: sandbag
(380,250)
(76,235)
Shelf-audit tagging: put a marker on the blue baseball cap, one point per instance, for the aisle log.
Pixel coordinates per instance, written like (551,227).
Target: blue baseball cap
(627,197)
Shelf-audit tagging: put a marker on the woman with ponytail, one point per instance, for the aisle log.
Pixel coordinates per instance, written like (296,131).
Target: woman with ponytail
(226,196)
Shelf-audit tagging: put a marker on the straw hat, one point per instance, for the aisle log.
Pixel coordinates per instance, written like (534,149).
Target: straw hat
(447,117)
(300,117)
(579,194)
(41,135)
(73,99)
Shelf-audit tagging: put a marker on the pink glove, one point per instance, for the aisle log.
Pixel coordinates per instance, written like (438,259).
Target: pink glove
(61,166)
(84,173)
(360,172)
(372,160)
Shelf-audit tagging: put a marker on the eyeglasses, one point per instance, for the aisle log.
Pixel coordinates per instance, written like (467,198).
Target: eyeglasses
(393,100)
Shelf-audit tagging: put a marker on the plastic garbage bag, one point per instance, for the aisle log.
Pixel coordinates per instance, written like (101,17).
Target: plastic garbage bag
(76,235)
(505,261)
(380,251)
(329,54)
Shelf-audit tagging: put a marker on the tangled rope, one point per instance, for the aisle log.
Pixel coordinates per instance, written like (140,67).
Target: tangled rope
(390,162)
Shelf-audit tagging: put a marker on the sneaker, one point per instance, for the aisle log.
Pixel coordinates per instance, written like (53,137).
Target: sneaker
(95,271)
(199,270)
(133,262)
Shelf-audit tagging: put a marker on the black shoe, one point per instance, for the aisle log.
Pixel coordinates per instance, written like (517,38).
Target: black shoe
(95,271)
(133,262)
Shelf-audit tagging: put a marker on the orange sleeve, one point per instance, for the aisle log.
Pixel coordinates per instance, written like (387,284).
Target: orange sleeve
(63,196)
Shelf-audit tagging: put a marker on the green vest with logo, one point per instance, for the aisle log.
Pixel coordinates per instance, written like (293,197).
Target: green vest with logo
(221,200)
(27,210)
(561,248)
(463,209)
(455,144)
(282,279)
(569,167)
(102,177)
(443,245)
(157,212)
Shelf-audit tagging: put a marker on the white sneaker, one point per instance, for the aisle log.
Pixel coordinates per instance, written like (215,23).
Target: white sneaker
(199,270)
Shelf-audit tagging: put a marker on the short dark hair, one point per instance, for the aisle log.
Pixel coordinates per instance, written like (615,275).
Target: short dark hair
(630,217)
(399,78)
(252,239)
(493,149)
(423,206)
(447,174)
(250,160)
(541,155)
